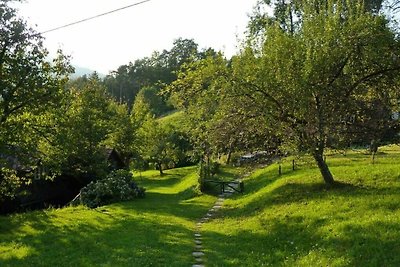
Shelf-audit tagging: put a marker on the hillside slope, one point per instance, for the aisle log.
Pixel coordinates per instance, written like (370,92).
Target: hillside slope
(295,220)
(154,231)
(287,220)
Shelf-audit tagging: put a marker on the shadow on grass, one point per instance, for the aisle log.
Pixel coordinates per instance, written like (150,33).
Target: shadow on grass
(154,231)
(123,241)
(161,181)
(169,205)
(293,241)
(226,174)
(302,193)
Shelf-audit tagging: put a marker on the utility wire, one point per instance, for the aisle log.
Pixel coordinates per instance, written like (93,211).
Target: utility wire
(95,17)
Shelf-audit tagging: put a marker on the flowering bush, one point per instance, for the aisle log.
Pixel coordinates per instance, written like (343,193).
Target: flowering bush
(117,186)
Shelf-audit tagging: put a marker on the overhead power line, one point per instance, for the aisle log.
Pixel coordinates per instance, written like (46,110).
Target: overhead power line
(95,17)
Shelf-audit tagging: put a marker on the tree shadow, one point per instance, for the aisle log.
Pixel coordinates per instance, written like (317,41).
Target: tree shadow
(160,182)
(154,231)
(292,193)
(293,241)
(123,240)
(181,205)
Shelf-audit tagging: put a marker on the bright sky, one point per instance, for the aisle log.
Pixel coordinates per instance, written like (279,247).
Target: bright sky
(106,43)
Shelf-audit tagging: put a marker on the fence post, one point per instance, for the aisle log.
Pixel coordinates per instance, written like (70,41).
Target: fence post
(280,169)
(293,165)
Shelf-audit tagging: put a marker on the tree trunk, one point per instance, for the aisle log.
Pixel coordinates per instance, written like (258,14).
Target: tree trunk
(208,175)
(373,149)
(228,160)
(323,168)
(160,168)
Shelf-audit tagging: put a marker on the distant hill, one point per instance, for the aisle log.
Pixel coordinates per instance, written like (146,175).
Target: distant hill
(80,71)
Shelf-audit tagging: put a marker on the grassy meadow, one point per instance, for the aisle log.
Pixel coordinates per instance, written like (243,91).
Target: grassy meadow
(287,220)
(154,231)
(295,220)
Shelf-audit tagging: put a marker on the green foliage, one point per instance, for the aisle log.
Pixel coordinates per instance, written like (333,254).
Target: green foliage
(158,144)
(206,171)
(10,183)
(308,81)
(29,83)
(220,121)
(117,186)
(196,91)
(203,174)
(152,72)
(214,168)
(297,81)
(150,100)
(88,122)
(30,86)
(154,231)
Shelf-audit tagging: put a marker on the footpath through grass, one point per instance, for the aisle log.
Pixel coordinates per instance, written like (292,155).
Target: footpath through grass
(155,231)
(288,220)
(295,220)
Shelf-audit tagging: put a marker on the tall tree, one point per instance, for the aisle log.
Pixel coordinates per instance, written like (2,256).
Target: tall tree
(158,143)
(303,81)
(91,121)
(29,86)
(28,82)
(307,80)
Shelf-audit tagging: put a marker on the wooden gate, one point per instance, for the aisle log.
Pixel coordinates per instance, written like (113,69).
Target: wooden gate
(228,186)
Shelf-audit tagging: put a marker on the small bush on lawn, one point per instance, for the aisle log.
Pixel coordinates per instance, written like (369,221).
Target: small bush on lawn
(117,186)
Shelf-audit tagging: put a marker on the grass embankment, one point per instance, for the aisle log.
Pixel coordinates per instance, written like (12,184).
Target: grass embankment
(155,231)
(295,220)
(288,220)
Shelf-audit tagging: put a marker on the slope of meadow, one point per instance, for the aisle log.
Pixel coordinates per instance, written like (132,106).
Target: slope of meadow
(156,230)
(295,220)
(287,220)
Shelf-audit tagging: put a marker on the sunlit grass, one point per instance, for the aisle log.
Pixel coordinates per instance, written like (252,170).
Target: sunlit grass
(287,220)
(155,231)
(295,220)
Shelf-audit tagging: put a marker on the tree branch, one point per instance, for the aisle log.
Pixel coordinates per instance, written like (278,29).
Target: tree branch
(340,70)
(2,54)
(368,77)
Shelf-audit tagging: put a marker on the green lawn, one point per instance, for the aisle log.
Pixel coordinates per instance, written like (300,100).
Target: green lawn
(294,220)
(155,231)
(288,220)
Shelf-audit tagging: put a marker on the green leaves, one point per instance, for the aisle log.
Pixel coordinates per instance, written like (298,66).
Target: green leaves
(310,78)
(316,60)
(87,123)
(30,86)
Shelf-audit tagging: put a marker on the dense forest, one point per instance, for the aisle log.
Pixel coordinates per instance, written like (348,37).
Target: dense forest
(313,75)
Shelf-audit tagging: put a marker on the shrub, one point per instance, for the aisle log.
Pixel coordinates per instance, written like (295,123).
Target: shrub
(202,173)
(206,172)
(117,186)
(214,168)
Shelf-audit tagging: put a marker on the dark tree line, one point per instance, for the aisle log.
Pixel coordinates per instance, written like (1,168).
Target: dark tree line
(153,73)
